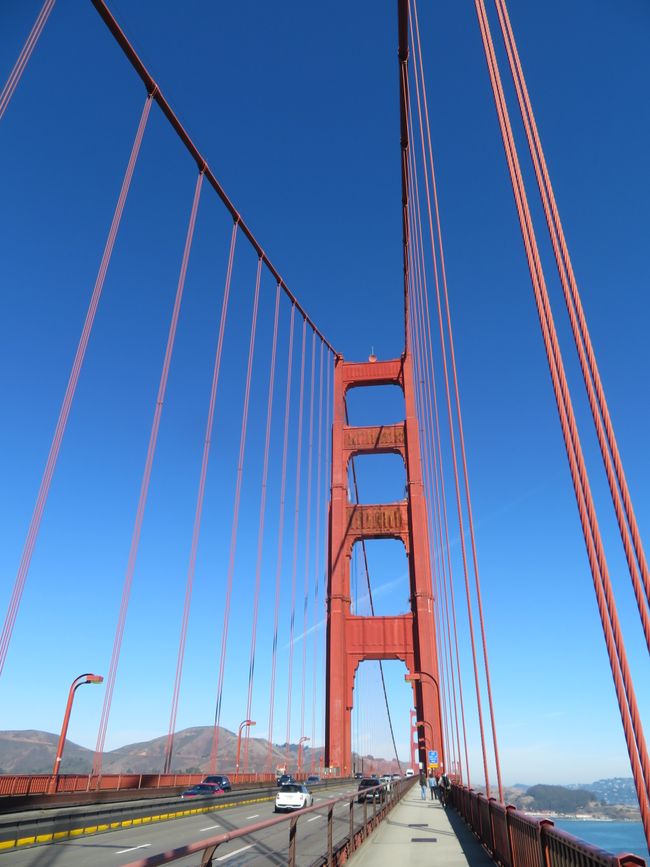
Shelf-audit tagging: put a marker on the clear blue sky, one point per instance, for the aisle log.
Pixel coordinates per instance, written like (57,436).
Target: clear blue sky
(295,107)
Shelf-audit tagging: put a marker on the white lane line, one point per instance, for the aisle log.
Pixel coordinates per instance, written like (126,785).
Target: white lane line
(132,849)
(236,852)
(210,828)
(313,818)
(256,816)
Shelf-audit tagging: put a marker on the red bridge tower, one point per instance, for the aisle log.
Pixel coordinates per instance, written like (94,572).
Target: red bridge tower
(350,638)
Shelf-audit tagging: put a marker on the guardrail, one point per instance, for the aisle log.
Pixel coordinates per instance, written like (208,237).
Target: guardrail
(386,797)
(32,828)
(12,785)
(516,839)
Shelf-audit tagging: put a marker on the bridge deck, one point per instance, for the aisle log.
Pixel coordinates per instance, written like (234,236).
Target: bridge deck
(421,832)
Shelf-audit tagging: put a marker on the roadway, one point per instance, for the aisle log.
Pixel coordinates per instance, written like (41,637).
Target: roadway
(270,846)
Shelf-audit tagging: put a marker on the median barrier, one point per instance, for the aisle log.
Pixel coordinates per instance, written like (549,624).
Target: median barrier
(49,826)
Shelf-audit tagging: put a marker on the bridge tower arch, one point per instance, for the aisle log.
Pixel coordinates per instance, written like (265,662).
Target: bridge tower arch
(351,638)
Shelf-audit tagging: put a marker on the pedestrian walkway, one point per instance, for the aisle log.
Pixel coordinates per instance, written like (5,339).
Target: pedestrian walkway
(421,832)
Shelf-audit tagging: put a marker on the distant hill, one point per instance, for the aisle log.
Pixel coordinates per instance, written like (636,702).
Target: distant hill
(559,799)
(32,752)
(615,790)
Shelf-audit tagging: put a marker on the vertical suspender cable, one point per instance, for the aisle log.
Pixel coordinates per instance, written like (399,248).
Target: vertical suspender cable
(619,490)
(196,531)
(260,532)
(25,54)
(317,562)
(296,523)
(144,488)
(64,412)
(235,520)
(438,493)
(278,568)
(308,535)
(625,694)
(421,290)
(329,403)
(456,469)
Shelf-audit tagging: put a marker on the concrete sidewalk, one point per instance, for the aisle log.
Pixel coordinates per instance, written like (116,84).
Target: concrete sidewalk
(421,832)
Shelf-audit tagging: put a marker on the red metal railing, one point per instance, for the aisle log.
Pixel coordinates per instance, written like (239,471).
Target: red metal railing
(335,852)
(515,839)
(42,784)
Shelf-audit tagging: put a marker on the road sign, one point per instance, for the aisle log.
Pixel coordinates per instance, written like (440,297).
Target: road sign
(433,759)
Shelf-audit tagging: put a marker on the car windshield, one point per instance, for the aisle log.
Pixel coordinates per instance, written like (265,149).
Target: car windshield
(367,784)
(203,789)
(292,787)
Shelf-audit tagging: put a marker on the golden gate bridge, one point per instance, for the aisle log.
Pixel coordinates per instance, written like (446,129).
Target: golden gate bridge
(306,491)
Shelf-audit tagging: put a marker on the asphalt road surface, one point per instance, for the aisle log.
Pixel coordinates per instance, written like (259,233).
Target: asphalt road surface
(267,847)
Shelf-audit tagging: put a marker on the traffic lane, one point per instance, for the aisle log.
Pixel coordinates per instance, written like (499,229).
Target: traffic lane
(125,845)
(271,845)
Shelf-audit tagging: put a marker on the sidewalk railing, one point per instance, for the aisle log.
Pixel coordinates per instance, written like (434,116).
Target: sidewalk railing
(384,798)
(516,839)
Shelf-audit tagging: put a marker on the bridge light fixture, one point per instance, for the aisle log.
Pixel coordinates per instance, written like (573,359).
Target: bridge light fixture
(247,723)
(76,683)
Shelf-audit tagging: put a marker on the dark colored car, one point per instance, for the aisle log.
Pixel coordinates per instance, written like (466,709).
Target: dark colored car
(220,780)
(313,780)
(202,790)
(285,780)
(377,794)
(358,776)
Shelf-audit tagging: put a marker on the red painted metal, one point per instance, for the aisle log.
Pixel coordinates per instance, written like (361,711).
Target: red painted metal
(25,54)
(350,638)
(260,531)
(202,164)
(70,391)
(76,683)
(625,693)
(235,520)
(144,485)
(621,499)
(198,513)
(278,568)
(516,839)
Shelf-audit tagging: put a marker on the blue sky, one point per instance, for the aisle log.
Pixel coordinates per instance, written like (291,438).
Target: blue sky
(295,108)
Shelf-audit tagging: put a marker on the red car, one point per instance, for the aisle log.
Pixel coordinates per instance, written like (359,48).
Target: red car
(202,790)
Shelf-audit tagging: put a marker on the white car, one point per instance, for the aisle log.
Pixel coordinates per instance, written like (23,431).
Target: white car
(410,772)
(386,779)
(293,796)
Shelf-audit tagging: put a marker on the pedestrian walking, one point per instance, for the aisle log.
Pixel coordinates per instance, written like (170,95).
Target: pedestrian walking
(445,789)
(431,780)
(423,785)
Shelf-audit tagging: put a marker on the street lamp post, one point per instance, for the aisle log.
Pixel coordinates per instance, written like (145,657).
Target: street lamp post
(246,722)
(77,682)
(417,677)
(302,741)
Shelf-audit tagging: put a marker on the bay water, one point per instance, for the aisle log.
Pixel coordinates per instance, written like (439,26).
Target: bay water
(615,837)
